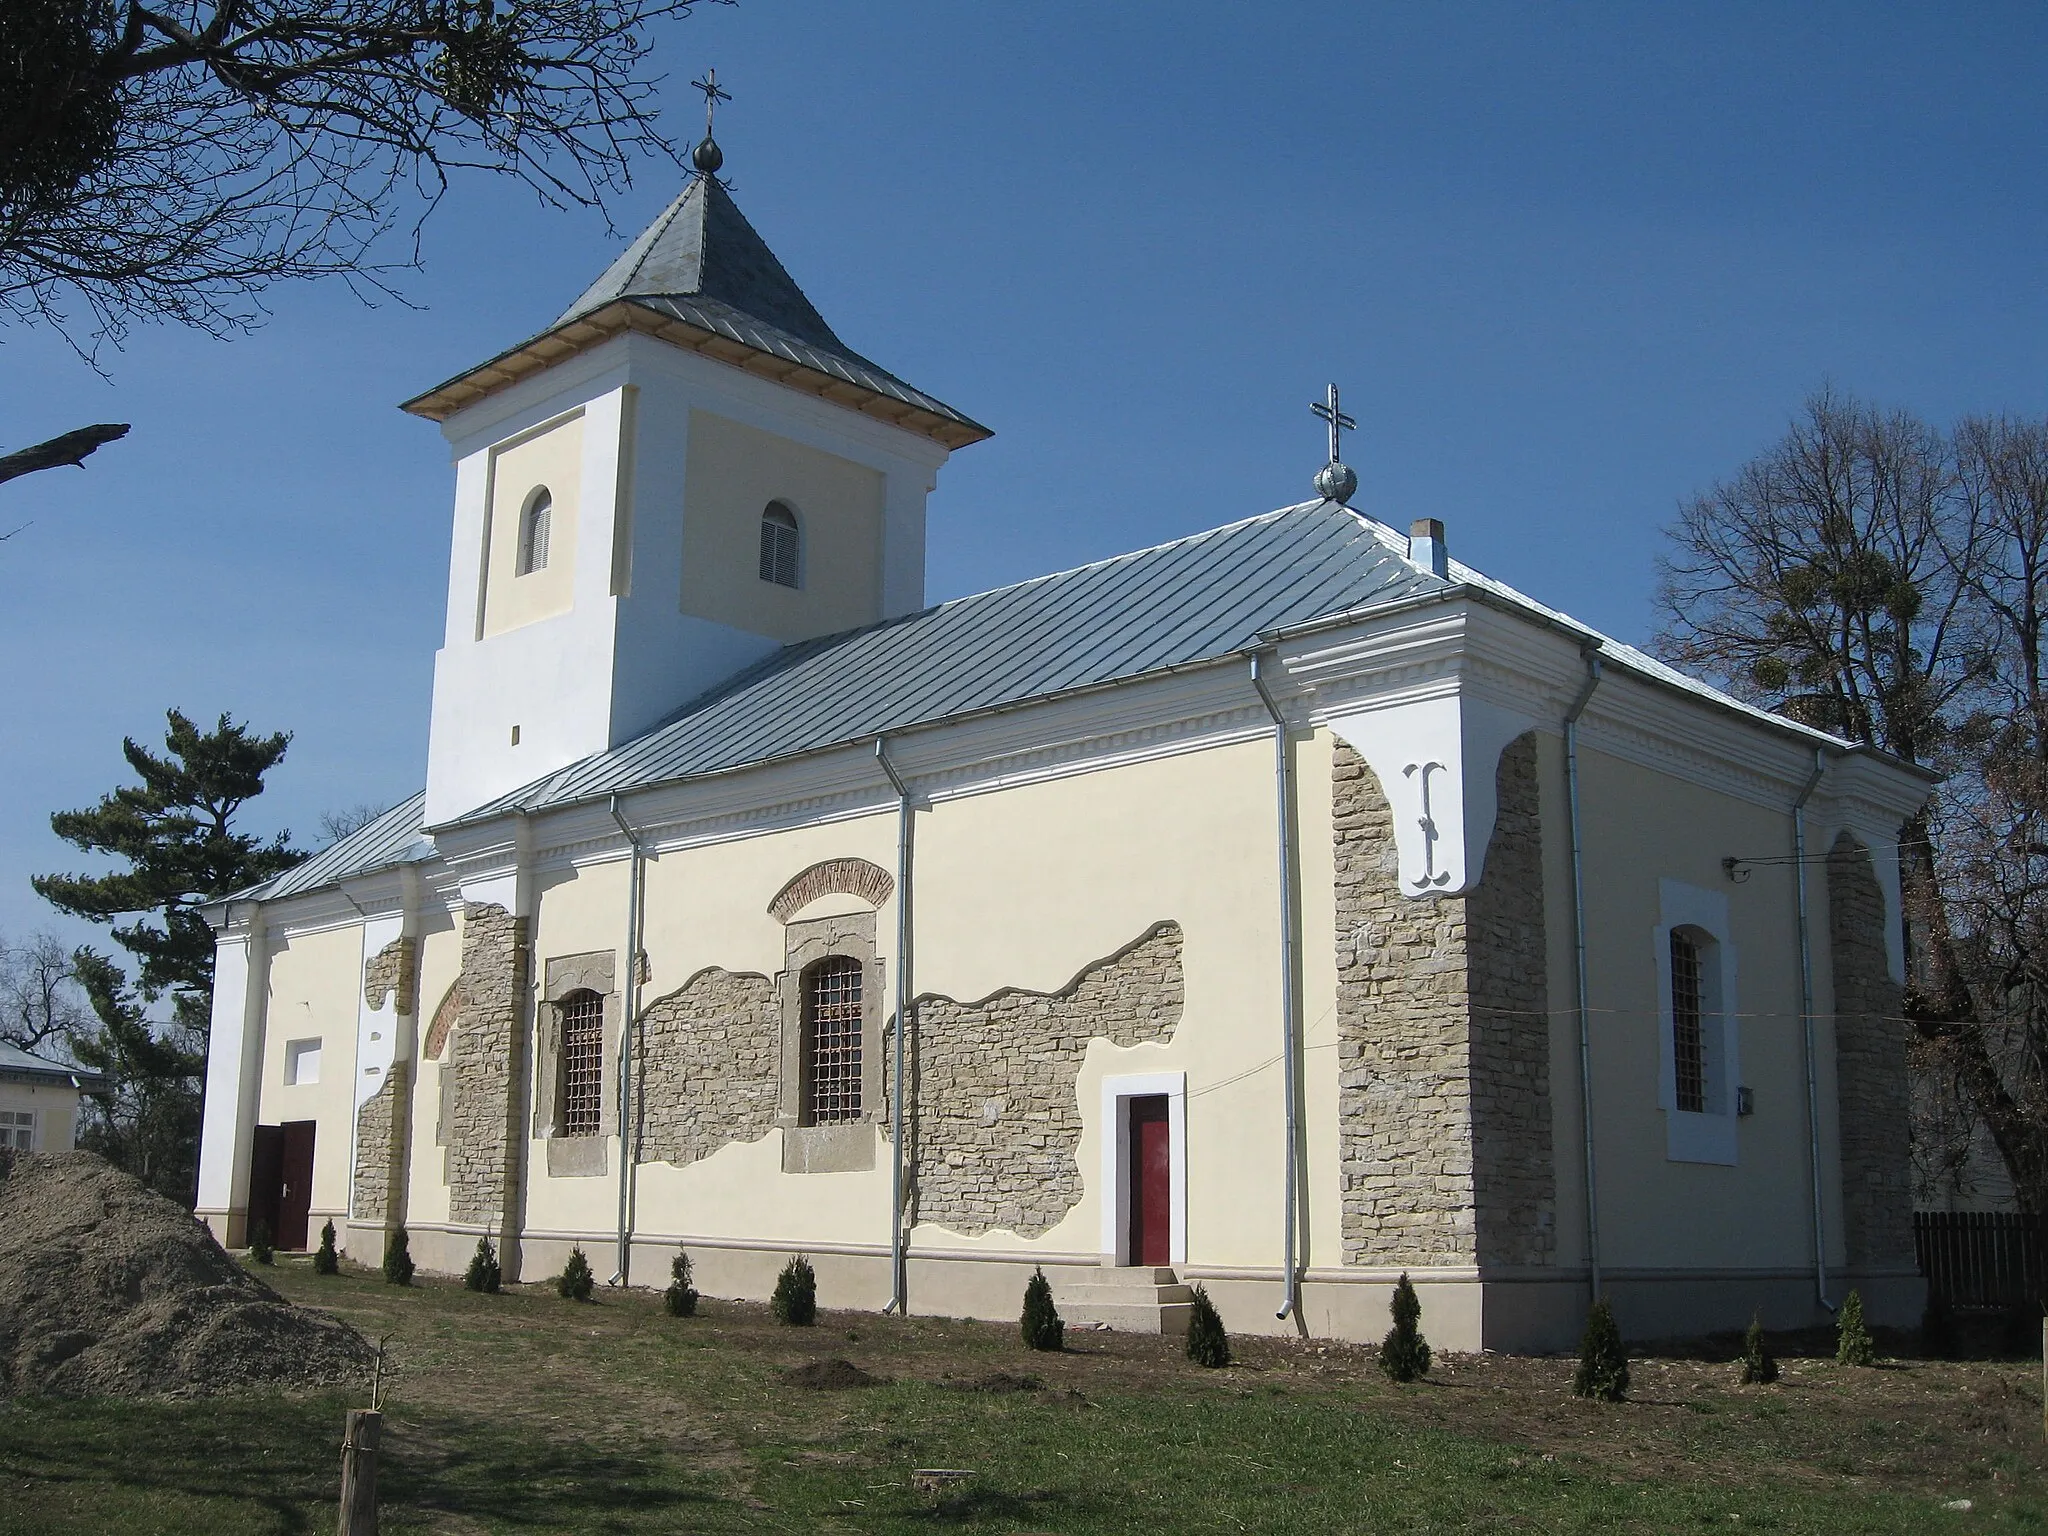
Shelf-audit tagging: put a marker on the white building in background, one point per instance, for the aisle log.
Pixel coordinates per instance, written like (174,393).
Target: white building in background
(39,1101)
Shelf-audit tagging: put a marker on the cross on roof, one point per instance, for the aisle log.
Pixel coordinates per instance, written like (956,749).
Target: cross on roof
(712,96)
(1339,423)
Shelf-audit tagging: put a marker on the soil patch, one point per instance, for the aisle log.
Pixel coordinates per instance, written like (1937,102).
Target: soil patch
(998,1381)
(829,1375)
(107,1288)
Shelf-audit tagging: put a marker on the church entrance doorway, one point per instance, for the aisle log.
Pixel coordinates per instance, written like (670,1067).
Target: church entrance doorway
(1151,1173)
(281,1181)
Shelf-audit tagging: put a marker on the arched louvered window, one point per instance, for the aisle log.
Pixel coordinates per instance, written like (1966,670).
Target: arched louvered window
(832,1041)
(1688,1022)
(533,532)
(582,1075)
(779,545)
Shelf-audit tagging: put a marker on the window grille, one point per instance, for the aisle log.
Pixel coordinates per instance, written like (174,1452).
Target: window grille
(832,1040)
(582,1063)
(1688,1040)
(778,545)
(533,534)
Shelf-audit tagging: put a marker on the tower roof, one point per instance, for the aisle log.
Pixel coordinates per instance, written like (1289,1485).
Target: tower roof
(702,277)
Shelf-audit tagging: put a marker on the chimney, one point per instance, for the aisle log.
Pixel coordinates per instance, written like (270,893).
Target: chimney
(1426,546)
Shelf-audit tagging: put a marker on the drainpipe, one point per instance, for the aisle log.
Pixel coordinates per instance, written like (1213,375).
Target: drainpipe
(1571,779)
(1820,1251)
(629,1138)
(1282,791)
(899,1299)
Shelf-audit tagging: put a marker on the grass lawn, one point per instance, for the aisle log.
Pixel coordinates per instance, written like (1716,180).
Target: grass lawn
(526,1413)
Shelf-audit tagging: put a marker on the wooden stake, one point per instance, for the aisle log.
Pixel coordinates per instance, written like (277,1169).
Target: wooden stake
(2044,1377)
(359,1440)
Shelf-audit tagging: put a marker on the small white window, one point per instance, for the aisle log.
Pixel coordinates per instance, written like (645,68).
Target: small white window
(301,1063)
(17,1130)
(1697,1056)
(533,532)
(779,545)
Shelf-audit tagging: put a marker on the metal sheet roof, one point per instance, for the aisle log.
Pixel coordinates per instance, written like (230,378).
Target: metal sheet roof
(386,840)
(1170,606)
(20,1063)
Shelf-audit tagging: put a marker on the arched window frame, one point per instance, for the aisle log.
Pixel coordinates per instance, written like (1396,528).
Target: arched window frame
(536,527)
(1698,919)
(574,1149)
(841,1145)
(782,545)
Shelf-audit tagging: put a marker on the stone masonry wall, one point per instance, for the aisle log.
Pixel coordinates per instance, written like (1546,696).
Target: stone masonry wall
(710,1064)
(998,1123)
(1870,1066)
(382,1124)
(488,1056)
(1442,1040)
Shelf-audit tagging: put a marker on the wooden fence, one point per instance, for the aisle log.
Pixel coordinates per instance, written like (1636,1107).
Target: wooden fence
(1983,1258)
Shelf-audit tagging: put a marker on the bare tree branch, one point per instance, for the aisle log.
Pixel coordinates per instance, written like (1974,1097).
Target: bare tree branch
(72,448)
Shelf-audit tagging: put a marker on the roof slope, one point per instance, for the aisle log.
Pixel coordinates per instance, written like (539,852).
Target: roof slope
(1173,605)
(21,1063)
(391,838)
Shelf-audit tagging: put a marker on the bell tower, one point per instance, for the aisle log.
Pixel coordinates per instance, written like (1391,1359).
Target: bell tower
(684,472)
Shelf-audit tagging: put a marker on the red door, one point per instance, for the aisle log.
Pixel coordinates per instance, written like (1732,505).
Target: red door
(1151,1182)
(295,1196)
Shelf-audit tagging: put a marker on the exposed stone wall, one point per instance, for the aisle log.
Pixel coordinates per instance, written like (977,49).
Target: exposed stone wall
(488,1056)
(710,1058)
(394,971)
(381,1149)
(998,1123)
(1442,1039)
(834,877)
(1870,1066)
(446,1015)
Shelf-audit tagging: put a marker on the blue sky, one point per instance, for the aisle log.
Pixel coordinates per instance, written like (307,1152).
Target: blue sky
(1569,263)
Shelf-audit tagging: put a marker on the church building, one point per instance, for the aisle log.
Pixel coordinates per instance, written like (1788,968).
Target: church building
(1280,909)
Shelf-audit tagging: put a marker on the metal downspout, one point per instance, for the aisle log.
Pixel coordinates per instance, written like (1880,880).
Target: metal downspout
(1289,1050)
(629,1128)
(1571,779)
(1820,1250)
(899,1298)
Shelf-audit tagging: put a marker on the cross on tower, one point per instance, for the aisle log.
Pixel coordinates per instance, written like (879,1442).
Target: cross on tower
(1339,424)
(712,96)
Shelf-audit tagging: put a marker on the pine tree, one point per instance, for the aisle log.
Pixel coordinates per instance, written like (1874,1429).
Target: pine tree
(1603,1362)
(1853,1343)
(1759,1365)
(1041,1321)
(1208,1344)
(796,1294)
(259,1242)
(174,836)
(398,1258)
(325,1260)
(483,1273)
(575,1282)
(1404,1353)
(681,1296)
(1939,1338)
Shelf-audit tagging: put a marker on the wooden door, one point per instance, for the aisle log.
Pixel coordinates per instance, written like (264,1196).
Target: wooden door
(1151,1201)
(295,1192)
(266,1178)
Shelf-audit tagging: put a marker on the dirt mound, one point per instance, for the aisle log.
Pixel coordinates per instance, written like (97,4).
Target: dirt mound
(997,1381)
(829,1375)
(109,1289)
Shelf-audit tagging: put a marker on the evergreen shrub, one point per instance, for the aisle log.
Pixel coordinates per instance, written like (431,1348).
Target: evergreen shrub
(484,1272)
(796,1294)
(1603,1362)
(398,1258)
(1759,1365)
(1042,1326)
(575,1282)
(259,1242)
(2021,1333)
(1940,1339)
(325,1260)
(681,1296)
(1853,1343)
(1208,1344)
(1404,1353)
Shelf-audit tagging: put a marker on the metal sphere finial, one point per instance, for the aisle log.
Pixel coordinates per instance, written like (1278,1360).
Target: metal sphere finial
(707,156)
(1337,482)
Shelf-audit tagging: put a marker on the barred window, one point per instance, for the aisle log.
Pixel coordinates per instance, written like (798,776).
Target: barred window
(1688,1038)
(778,545)
(832,1041)
(533,532)
(582,1063)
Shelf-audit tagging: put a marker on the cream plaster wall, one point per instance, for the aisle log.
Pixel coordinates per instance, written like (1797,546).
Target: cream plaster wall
(551,457)
(734,472)
(55,1107)
(315,991)
(1641,826)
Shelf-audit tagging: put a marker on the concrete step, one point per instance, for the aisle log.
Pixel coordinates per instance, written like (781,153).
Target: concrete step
(1169,1318)
(1150,1299)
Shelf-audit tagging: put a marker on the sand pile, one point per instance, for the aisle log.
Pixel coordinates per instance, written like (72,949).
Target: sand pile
(108,1289)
